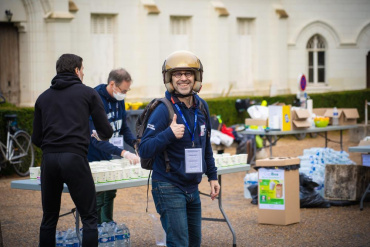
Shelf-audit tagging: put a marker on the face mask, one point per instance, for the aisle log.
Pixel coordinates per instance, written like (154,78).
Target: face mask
(119,96)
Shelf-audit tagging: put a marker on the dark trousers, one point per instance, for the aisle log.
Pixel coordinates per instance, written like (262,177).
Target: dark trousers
(73,170)
(105,202)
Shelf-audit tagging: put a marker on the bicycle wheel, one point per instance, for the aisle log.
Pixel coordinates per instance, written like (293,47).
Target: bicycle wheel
(22,154)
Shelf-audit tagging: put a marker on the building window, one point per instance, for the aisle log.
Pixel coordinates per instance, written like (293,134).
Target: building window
(181,32)
(316,60)
(245,32)
(102,24)
(180,25)
(102,28)
(245,26)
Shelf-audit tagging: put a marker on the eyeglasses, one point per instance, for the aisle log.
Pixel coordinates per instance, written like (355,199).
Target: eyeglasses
(178,75)
(122,91)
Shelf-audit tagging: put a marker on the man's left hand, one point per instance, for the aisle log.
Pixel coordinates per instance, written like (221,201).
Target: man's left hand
(134,159)
(215,188)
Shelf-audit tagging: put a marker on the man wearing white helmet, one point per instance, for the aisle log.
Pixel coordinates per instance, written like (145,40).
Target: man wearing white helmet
(187,144)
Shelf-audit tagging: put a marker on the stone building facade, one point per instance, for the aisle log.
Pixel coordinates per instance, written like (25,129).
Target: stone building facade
(247,47)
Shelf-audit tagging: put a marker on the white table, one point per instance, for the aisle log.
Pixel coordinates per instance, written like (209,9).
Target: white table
(29,184)
(279,134)
(361,149)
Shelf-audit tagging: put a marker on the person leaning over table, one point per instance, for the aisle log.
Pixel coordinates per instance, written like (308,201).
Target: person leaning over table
(112,94)
(60,128)
(187,142)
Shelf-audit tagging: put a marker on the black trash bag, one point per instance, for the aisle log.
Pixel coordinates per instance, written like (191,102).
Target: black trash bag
(309,197)
(247,146)
(253,189)
(242,105)
(238,137)
(215,123)
(307,182)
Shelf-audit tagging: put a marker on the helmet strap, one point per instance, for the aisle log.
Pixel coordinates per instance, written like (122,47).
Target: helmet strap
(183,96)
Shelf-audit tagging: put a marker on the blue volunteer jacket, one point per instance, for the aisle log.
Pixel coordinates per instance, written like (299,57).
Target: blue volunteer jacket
(116,113)
(158,137)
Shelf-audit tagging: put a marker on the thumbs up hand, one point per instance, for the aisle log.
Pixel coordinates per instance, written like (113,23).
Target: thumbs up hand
(177,129)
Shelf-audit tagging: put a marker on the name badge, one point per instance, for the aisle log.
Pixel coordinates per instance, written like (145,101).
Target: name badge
(117,141)
(193,160)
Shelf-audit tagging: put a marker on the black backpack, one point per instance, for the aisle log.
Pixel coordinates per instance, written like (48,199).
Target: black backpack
(142,123)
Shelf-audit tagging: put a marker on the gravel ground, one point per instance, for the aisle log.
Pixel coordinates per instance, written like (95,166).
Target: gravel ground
(20,213)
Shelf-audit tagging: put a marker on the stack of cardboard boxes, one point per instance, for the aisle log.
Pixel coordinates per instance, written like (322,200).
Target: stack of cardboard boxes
(301,119)
(285,118)
(347,116)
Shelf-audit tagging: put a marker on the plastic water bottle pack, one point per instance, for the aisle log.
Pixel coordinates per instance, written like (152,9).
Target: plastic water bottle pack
(67,238)
(109,235)
(314,160)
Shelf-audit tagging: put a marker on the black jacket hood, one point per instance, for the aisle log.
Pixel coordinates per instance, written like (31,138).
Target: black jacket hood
(64,80)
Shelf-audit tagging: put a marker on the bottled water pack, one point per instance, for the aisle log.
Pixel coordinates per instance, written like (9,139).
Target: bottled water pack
(314,160)
(109,235)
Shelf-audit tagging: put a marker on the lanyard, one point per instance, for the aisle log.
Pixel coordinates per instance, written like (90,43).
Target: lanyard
(186,123)
(114,114)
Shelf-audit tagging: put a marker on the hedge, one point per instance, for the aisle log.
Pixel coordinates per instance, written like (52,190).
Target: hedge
(346,99)
(217,106)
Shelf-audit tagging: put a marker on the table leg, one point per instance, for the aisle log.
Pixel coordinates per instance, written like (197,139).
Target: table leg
(223,213)
(341,140)
(269,138)
(363,197)
(77,220)
(326,139)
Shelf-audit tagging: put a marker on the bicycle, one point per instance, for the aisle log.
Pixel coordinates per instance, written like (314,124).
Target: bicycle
(18,150)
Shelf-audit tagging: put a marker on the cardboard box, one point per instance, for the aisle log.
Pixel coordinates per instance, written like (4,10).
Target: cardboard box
(345,182)
(319,111)
(257,122)
(280,117)
(364,143)
(347,116)
(300,119)
(278,191)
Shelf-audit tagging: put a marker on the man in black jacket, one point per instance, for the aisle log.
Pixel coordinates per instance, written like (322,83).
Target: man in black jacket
(61,129)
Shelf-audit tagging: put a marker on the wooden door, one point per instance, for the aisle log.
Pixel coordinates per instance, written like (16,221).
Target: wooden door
(9,63)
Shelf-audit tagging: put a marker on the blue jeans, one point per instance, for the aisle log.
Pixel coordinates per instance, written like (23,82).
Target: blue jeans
(181,214)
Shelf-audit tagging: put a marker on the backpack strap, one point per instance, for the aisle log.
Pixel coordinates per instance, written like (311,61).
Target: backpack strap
(170,116)
(205,113)
(168,104)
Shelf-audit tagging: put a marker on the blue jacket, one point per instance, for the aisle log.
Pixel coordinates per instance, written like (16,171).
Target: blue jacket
(158,137)
(116,113)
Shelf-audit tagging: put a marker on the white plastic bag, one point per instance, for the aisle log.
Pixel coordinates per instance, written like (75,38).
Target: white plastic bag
(258,112)
(223,138)
(159,233)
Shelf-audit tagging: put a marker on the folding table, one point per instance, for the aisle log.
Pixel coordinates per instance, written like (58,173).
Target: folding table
(28,184)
